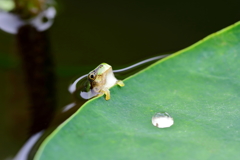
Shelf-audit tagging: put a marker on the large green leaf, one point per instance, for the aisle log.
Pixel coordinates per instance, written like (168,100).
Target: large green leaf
(199,87)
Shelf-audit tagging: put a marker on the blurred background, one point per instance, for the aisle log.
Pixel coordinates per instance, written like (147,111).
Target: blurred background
(83,35)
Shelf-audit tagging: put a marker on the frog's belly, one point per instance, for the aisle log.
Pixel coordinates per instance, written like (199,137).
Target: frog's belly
(110,80)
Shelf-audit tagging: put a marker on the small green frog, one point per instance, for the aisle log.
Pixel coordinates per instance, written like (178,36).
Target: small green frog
(101,79)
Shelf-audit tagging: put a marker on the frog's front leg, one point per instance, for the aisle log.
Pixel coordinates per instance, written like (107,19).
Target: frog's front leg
(107,93)
(120,83)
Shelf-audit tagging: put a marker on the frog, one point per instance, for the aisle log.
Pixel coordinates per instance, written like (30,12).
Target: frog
(101,79)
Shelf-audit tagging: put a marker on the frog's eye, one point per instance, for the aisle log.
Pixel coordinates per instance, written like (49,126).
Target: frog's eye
(91,76)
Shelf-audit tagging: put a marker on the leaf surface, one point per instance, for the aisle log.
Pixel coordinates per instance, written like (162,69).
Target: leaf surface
(198,86)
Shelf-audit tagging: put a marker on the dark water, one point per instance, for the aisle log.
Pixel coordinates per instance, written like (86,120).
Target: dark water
(87,33)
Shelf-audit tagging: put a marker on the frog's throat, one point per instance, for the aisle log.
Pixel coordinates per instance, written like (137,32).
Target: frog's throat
(101,78)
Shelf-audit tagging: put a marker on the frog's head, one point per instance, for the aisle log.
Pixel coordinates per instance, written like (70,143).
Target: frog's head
(98,75)
(100,80)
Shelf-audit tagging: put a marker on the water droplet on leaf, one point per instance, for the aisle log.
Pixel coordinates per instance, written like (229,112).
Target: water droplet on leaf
(162,120)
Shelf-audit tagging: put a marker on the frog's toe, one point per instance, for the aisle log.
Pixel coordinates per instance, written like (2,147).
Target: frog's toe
(107,93)
(120,83)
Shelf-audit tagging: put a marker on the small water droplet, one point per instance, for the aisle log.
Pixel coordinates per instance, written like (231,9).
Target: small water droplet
(162,120)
